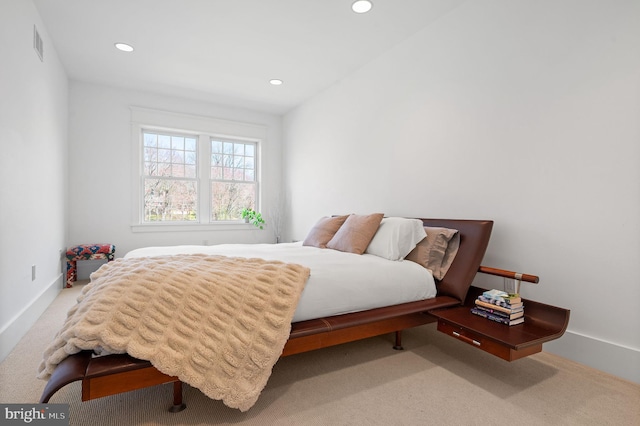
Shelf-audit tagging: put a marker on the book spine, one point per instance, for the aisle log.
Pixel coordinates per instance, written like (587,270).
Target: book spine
(489,316)
(492,311)
(497,307)
(499,301)
(499,294)
(495,294)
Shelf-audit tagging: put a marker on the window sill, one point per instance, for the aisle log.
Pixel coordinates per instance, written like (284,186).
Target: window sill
(197,227)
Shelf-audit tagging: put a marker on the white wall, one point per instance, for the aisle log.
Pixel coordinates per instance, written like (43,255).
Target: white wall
(100,167)
(33,137)
(521,112)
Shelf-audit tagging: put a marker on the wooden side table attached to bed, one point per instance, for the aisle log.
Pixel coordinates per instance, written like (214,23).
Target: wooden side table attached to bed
(542,323)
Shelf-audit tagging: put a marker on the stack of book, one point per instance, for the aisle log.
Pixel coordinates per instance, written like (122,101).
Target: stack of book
(500,306)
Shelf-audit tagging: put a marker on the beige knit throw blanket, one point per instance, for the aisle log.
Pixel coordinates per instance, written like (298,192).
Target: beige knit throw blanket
(218,323)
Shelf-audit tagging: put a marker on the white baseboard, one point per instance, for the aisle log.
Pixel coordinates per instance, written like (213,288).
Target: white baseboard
(21,323)
(614,359)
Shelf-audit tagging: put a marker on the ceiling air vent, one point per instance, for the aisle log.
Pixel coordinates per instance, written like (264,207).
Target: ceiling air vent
(37,43)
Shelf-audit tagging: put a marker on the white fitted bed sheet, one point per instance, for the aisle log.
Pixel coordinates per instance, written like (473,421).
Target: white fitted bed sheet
(340,282)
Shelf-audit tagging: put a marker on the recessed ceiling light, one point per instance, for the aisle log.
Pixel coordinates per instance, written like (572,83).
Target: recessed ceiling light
(361,6)
(275,81)
(124,47)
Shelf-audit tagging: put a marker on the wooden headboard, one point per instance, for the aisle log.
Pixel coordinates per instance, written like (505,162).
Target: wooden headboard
(474,239)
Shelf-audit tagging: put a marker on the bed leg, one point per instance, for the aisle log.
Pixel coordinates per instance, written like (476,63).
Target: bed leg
(177,398)
(398,345)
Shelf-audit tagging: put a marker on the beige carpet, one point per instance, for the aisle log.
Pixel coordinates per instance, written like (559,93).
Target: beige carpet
(435,380)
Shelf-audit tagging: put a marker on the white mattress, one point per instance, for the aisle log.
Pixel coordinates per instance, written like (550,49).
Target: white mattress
(340,282)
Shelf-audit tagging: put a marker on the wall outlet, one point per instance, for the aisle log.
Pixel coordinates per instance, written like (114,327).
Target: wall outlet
(33,272)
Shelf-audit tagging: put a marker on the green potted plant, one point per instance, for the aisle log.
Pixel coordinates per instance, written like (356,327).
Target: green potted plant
(253,217)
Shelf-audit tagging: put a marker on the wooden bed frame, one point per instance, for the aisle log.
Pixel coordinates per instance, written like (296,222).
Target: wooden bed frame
(113,374)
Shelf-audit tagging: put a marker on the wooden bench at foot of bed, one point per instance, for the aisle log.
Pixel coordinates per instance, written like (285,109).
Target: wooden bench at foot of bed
(109,375)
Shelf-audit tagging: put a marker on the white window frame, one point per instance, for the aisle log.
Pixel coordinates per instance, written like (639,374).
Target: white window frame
(195,179)
(205,128)
(211,180)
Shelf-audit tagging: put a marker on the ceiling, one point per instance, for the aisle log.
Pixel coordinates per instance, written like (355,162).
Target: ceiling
(226,51)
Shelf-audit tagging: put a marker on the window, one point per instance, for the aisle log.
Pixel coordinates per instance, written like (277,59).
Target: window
(233,178)
(188,174)
(170,181)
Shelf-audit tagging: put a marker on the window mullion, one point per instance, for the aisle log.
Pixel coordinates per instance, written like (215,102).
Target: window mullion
(204,181)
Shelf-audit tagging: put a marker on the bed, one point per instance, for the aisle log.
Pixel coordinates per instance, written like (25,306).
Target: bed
(312,326)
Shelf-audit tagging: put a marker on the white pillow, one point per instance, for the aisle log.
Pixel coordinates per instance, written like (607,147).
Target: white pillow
(396,237)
